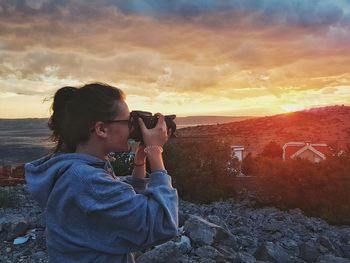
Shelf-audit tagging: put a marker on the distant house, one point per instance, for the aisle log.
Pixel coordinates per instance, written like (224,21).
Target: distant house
(6,171)
(238,151)
(314,152)
(18,172)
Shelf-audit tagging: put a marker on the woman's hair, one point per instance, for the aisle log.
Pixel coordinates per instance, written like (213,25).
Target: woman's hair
(76,110)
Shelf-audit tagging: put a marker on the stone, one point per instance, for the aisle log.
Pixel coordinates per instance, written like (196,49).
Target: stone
(200,231)
(309,251)
(345,237)
(244,257)
(333,259)
(269,251)
(241,231)
(326,243)
(182,218)
(39,255)
(168,252)
(345,250)
(271,228)
(184,244)
(217,221)
(228,252)
(203,232)
(248,243)
(209,252)
(18,228)
(291,246)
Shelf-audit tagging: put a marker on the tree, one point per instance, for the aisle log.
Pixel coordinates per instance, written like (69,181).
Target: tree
(199,168)
(273,150)
(249,165)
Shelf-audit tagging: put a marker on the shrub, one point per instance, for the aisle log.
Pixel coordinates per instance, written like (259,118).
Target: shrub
(199,168)
(8,198)
(122,162)
(320,189)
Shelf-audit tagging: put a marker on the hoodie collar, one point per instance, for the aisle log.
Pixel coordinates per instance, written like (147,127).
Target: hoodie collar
(42,174)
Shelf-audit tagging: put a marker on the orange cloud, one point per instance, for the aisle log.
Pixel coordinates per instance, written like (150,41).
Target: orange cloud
(235,54)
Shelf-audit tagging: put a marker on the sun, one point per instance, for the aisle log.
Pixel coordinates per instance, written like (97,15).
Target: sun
(292,107)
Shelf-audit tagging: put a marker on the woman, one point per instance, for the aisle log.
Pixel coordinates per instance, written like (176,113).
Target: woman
(91,215)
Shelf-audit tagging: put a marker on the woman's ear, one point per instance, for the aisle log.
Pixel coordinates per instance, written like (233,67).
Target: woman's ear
(100,129)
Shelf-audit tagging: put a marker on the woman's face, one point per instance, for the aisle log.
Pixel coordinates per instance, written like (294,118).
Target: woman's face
(118,132)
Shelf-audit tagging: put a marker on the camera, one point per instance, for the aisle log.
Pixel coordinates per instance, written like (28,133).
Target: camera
(150,122)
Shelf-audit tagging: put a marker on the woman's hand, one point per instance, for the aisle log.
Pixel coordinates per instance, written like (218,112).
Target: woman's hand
(156,136)
(139,171)
(140,156)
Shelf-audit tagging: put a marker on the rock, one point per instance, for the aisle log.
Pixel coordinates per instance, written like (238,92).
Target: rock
(217,221)
(228,252)
(296,211)
(248,243)
(184,244)
(244,257)
(273,252)
(333,259)
(241,231)
(203,232)
(40,222)
(345,250)
(271,228)
(209,252)
(168,252)
(200,231)
(39,255)
(309,251)
(326,243)
(291,246)
(207,260)
(345,237)
(17,228)
(237,230)
(182,218)
(187,259)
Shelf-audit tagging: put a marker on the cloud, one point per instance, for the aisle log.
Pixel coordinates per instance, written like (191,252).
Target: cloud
(220,49)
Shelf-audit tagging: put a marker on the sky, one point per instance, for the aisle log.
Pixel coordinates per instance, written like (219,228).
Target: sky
(186,57)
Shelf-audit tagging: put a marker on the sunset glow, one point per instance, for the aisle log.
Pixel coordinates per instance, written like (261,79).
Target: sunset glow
(292,107)
(185,57)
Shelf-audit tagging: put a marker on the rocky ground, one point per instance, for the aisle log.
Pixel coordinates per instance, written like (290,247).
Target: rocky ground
(227,231)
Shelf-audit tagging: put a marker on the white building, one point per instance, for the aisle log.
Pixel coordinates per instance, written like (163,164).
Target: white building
(237,150)
(314,152)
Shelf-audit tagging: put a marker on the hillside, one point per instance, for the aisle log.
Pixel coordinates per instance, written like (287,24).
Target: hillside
(204,120)
(329,125)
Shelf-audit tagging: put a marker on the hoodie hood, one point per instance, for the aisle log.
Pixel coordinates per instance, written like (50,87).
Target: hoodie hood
(42,174)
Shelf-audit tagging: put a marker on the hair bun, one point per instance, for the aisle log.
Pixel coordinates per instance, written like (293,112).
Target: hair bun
(61,97)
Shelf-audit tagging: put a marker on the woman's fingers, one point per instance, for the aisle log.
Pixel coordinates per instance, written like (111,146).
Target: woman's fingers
(156,136)
(161,122)
(142,125)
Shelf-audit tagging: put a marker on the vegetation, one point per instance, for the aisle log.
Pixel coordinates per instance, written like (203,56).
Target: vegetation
(320,189)
(273,150)
(203,171)
(8,198)
(122,162)
(200,169)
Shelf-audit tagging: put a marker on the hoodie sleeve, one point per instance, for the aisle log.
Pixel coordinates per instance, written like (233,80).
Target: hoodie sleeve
(123,221)
(137,183)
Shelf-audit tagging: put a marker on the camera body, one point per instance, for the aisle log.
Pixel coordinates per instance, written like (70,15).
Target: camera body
(150,121)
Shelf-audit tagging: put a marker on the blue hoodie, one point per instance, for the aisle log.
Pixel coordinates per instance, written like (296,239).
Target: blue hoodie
(94,216)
